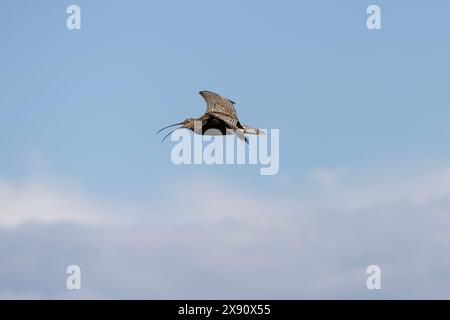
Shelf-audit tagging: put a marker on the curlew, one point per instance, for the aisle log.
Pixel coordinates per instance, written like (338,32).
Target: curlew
(220,115)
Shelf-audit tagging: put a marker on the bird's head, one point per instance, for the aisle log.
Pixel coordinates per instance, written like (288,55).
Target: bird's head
(186,124)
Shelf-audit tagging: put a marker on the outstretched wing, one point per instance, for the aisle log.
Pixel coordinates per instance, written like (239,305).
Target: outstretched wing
(232,123)
(223,109)
(218,104)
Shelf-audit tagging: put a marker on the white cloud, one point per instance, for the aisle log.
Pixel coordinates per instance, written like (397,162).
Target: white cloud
(37,201)
(213,241)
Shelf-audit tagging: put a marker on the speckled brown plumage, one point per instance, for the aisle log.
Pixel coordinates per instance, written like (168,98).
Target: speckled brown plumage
(220,115)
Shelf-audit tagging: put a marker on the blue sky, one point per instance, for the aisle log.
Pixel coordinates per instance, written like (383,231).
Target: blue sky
(364,109)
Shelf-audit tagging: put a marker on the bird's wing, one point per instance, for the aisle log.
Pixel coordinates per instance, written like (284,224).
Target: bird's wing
(232,122)
(217,103)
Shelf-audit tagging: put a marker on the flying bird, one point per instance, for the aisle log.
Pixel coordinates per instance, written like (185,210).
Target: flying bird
(220,115)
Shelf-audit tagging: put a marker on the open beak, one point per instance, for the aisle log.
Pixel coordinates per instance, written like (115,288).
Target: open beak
(172,125)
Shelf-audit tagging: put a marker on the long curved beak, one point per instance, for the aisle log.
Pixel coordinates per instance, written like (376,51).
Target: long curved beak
(169,134)
(172,125)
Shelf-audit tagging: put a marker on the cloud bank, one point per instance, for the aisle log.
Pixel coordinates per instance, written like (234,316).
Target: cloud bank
(214,242)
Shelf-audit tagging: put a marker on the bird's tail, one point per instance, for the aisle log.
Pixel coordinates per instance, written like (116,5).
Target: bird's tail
(241,132)
(249,130)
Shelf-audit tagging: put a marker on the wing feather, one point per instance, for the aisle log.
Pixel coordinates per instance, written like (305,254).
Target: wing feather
(217,103)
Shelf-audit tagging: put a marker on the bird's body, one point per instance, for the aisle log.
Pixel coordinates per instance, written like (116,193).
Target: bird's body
(212,125)
(220,118)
